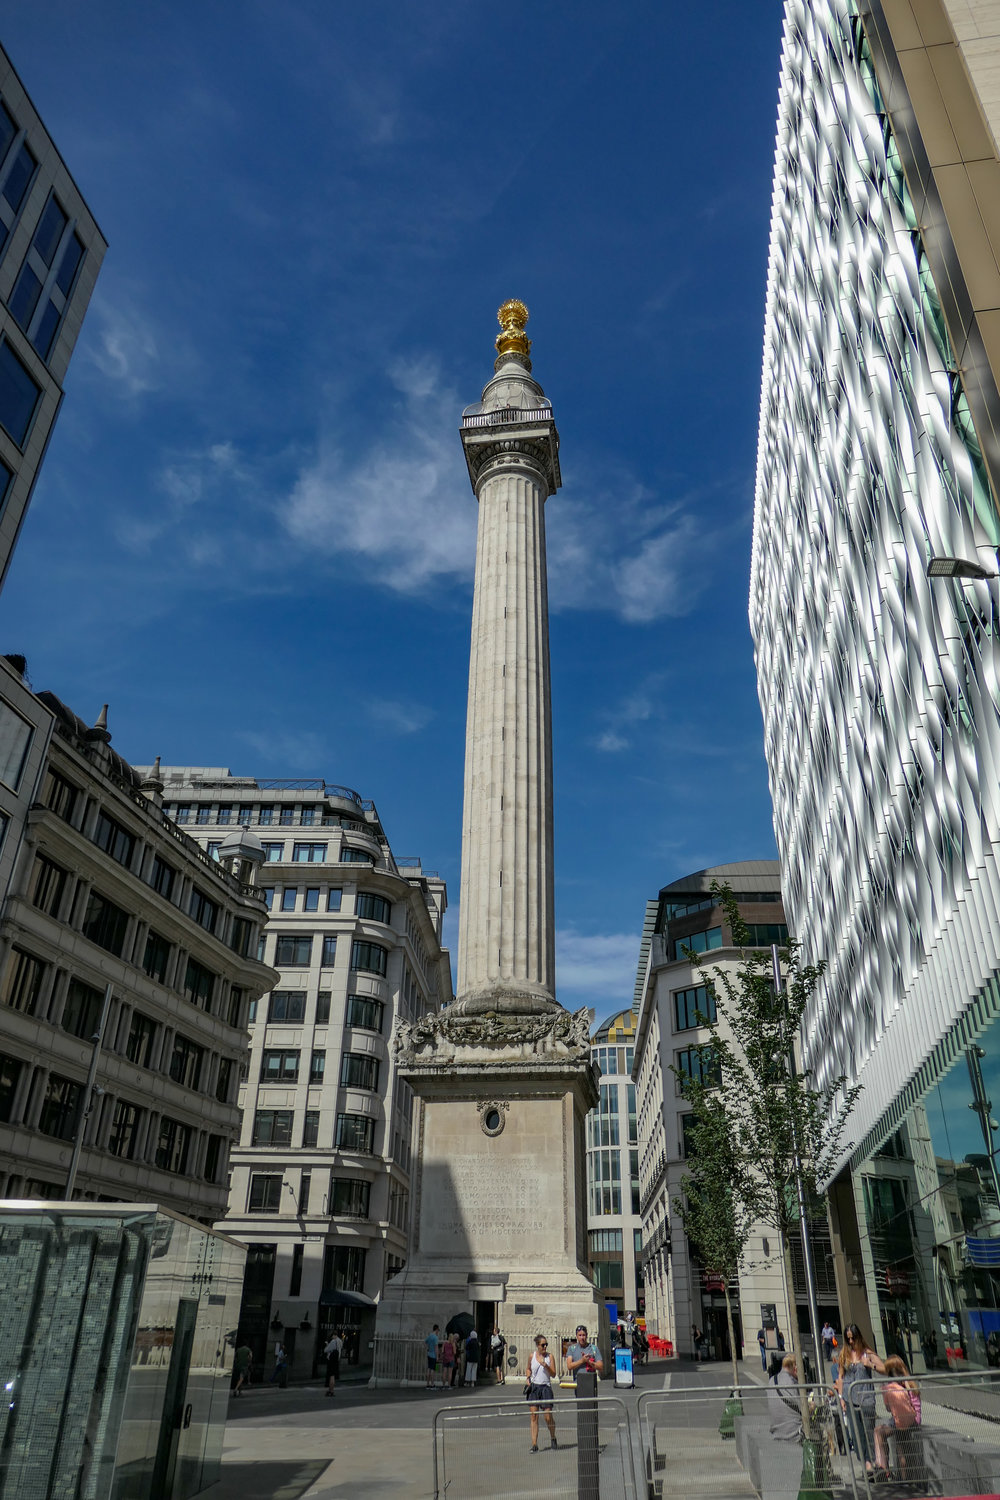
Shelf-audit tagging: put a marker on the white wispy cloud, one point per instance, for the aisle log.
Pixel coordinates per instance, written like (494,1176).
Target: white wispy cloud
(298,749)
(186,483)
(401,508)
(400,717)
(637,707)
(598,967)
(641,558)
(127,351)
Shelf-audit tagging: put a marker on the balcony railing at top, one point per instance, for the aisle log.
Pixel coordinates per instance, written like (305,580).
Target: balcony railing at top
(191,845)
(507,414)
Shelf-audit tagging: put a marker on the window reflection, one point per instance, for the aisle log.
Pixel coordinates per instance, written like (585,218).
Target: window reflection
(931,1196)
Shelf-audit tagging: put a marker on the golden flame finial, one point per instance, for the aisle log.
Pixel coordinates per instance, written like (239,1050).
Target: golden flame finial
(512,339)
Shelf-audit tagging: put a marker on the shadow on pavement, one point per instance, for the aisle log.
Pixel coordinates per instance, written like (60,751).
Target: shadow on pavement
(267,1480)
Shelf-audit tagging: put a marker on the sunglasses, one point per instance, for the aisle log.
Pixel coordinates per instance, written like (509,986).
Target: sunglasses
(543,1345)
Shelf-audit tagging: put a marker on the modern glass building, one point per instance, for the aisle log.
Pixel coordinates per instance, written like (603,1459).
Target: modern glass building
(50,253)
(614,1226)
(879,449)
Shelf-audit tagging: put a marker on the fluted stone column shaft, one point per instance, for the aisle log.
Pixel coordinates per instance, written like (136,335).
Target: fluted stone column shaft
(506,920)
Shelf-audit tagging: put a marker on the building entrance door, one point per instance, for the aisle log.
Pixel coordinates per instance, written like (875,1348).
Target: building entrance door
(485,1314)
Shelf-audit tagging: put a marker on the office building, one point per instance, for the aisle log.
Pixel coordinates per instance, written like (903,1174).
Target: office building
(50,253)
(614,1226)
(879,451)
(670,1044)
(105,891)
(320,1188)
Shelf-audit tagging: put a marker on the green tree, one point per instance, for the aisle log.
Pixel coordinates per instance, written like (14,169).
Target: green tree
(712,1205)
(766,1121)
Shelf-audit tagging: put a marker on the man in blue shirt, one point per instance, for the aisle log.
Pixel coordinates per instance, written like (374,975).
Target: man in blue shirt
(432,1341)
(583,1355)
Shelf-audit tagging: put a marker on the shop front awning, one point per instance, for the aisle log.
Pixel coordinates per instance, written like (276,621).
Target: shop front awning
(331,1298)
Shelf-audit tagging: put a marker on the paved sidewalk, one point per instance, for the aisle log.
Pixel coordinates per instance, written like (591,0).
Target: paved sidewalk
(298,1444)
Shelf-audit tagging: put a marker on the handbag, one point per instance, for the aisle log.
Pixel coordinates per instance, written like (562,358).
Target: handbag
(527,1389)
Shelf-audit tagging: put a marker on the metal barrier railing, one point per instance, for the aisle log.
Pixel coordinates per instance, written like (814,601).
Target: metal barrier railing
(727,1443)
(933,1434)
(723,1441)
(486,1451)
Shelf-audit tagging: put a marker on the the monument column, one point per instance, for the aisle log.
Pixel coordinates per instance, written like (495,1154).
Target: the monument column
(506,945)
(502,1078)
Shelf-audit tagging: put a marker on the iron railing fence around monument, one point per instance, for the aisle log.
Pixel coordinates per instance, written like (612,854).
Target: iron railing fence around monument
(398,1361)
(402,1360)
(484,1450)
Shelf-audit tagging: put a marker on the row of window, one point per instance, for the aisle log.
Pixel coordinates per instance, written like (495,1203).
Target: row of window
(295,951)
(289,1006)
(117,841)
(604,1182)
(613,1059)
(80,1015)
(106,925)
(611,1241)
(604,1122)
(281,1065)
(60,1110)
(367,905)
(346,1198)
(673,907)
(269,815)
(759,935)
(274,1127)
(42,290)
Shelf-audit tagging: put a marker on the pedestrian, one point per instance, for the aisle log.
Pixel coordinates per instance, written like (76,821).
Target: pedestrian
(698,1340)
(334,1349)
(583,1355)
(448,1360)
(538,1390)
(829,1341)
(781,1341)
(762,1346)
(280,1371)
(432,1342)
(854,1385)
(472,1358)
(498,1351)
(242,1364)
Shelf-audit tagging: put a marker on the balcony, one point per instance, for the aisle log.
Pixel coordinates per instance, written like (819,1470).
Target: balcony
(506,416)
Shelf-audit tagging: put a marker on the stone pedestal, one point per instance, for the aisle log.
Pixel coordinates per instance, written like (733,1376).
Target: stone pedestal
(499,1207)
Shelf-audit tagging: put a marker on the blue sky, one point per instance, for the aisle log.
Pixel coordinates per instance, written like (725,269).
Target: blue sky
(254,533)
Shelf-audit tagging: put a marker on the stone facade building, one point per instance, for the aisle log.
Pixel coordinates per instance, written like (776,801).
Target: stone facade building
(321,1178)
(105,891)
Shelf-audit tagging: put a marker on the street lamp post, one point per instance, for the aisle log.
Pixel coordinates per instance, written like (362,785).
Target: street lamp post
(88,1095)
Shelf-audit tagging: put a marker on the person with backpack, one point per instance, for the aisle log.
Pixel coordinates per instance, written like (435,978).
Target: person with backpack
(498,1351)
